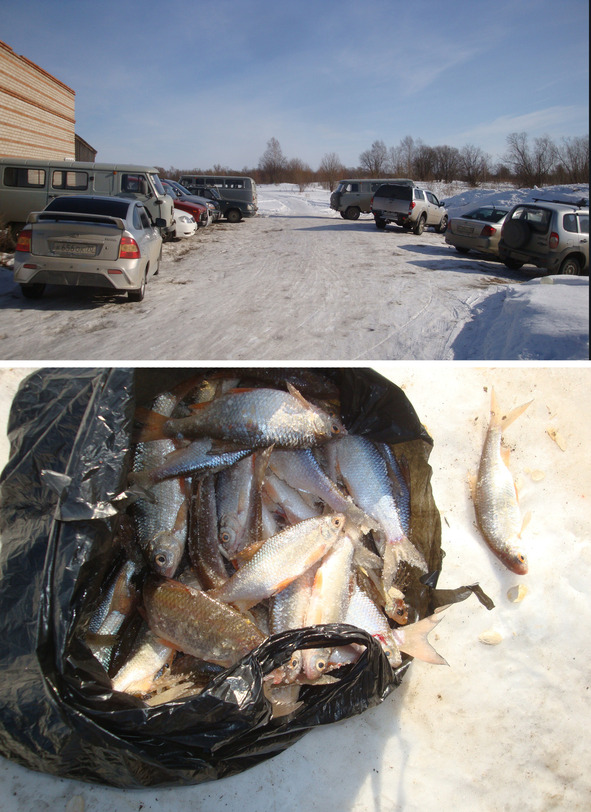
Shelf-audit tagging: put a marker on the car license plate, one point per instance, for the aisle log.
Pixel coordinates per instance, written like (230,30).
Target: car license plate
(465,230)
(72,249)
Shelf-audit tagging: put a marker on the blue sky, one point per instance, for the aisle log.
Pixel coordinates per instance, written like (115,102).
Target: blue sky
(192,84)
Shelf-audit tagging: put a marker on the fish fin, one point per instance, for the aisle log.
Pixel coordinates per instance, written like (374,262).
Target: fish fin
(150,426)
(197,407)
(472,479)
(525,522)
(498,419)
(298,396)
(505,455)
(413,639)
(397,552)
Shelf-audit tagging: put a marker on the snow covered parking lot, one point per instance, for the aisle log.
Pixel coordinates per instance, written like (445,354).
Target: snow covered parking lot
(299,282)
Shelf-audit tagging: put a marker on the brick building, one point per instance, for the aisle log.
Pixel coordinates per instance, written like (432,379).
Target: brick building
(37,112)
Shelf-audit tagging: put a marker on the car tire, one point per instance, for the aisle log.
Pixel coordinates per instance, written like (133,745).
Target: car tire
(442,225)
(34,290)
(512,264)
(516,233)
(138,294)
(233,216)
(420,226)
(461,250)
(352,213)
(380,223)
(571,267)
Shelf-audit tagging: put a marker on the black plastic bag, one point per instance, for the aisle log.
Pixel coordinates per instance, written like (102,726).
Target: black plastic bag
(61,496)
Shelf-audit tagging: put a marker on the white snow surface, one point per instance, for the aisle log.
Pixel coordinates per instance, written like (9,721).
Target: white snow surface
(299,282)
(503,727)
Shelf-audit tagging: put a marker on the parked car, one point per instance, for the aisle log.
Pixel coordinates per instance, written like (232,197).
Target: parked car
(238,193)
(550,234)
(477,230)
(196,210)
(185,224)
(178,192)
(409,206)
(91,241)
(353,196)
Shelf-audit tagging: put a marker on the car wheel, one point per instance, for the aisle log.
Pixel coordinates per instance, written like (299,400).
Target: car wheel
(352,213)
(138,294)
(233,216)
(571,266)
(380,223)
(443,224)
(461,250)
(343,215)
(516,233)
(33,290)
(512,264)
(420,226)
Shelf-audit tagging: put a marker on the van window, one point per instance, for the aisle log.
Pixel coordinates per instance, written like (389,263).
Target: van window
(570,222)
(24,178)
(135,184)
(62,179)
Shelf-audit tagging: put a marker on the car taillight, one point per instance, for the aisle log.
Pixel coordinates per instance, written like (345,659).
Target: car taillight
(554,240)
(488,231)
(129,249)
(23,242)
(412,205)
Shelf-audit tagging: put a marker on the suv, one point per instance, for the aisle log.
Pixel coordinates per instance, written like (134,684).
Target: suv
(409,206)
(551,234)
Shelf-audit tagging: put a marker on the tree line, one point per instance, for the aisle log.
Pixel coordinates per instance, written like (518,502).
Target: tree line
(525,163)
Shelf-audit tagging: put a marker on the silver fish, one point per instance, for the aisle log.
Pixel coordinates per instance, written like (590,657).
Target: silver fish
(254,418)
(495,497)
(281,560)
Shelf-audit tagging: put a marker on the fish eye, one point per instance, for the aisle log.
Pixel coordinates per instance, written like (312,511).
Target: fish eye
(335,428)
(337,521)
(225,537)
(321,665)
(160,559)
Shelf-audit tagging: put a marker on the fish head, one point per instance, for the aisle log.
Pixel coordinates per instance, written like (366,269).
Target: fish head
(228,536)
(315,662)
(516,561)
(165,553)
(390,649)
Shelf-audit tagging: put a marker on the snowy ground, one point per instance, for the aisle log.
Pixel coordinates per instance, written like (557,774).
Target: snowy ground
(504,727)
(299,282)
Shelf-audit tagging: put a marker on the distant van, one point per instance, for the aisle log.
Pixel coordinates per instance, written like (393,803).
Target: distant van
(353,196)
(238,192)
(28,185)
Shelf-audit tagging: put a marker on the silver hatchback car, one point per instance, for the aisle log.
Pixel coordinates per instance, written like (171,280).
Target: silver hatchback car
(91,241)
(550,234)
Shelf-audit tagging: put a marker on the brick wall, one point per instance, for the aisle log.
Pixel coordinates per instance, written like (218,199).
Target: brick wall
(37,111)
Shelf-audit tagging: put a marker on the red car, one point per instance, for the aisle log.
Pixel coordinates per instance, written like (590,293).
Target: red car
(199,212)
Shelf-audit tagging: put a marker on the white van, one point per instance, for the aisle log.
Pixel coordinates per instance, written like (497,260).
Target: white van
(27,185)
(352,196)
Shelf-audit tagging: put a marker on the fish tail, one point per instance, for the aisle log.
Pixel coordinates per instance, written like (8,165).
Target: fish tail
(413,640)
(150,425)
(498,419)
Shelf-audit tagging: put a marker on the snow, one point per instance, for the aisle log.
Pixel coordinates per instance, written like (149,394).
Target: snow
(504,726)
(299,282)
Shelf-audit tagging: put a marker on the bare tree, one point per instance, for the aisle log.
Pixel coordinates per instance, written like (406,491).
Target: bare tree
(573,156)
(424,163)
(447,162)
(474,164)
(406,153)
(272,163)
(299,172)
(374,161)
(331,170)
(531,166)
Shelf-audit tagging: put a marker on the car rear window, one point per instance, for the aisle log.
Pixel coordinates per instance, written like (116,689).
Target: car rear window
(98,205)
(487,214)
(538,218)
(394,191)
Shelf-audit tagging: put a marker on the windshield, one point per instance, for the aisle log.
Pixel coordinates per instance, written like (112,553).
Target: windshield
(157,184)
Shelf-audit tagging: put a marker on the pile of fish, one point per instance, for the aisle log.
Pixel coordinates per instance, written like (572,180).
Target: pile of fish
(255,512)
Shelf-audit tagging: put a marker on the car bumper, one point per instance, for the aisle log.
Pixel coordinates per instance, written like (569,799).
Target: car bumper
(550,262)
(117,275)
(482,244)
